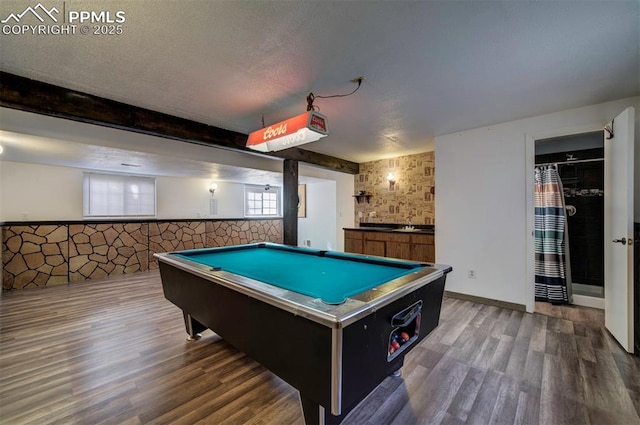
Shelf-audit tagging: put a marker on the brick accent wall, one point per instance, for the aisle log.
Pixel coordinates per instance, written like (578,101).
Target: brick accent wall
(53,254)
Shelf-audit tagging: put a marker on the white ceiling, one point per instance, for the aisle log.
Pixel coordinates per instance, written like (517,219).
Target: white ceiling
(429,67)
(26,137)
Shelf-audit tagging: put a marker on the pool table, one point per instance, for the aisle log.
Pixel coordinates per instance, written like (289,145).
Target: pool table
(332,325)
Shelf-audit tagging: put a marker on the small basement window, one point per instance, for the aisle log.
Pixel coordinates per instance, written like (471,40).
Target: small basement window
(262,201)
(118,195)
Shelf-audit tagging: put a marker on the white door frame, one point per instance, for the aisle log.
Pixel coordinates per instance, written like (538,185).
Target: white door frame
(530,163)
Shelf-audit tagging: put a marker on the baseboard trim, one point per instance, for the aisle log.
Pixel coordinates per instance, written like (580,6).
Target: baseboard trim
(487,301)
(586,301)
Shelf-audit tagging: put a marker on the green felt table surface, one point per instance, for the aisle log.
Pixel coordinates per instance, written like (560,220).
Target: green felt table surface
(331,276)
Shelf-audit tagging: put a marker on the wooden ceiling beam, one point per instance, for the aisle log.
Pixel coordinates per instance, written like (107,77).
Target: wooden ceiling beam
(28,95)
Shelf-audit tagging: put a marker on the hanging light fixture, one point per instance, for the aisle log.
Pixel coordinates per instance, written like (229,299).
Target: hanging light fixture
(304,128)
(301,129)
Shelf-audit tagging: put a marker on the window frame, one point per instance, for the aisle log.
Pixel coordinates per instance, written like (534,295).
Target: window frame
(262,189)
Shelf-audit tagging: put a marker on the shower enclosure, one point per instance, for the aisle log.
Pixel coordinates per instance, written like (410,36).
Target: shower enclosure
(580,165)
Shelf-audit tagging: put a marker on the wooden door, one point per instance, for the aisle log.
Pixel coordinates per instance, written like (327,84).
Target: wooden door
(618,228)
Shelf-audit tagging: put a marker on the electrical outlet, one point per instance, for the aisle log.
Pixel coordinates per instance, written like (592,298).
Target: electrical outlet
(471,274)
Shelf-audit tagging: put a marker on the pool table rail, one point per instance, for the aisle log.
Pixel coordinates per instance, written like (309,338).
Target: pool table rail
(331,315)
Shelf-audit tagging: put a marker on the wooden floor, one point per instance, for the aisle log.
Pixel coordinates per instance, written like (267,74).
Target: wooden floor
(115,352)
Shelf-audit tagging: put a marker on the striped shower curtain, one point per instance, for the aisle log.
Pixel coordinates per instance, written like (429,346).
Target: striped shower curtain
(551,238)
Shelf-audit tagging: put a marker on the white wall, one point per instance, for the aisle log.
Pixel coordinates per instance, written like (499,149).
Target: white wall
(33,192)
(189,198)
(482,215)
(1,200)
(319,226)
(46,192)
(343,208)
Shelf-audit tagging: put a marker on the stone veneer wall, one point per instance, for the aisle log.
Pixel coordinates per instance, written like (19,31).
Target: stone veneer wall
(34,255)
(101,250)
(409,199)
(176,236)
(53,254)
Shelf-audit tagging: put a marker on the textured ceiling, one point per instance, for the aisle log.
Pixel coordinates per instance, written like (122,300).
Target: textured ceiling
(429,68)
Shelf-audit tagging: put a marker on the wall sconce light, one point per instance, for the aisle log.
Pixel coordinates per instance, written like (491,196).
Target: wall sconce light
(212,188)
(391,178)
(213,203)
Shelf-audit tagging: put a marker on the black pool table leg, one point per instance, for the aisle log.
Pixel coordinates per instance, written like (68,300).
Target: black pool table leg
(398,371)
(314,414)
(193,327)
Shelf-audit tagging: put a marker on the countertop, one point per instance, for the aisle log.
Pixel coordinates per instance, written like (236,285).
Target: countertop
(420,229)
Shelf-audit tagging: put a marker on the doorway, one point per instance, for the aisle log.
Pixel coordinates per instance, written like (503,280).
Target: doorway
(579,160)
